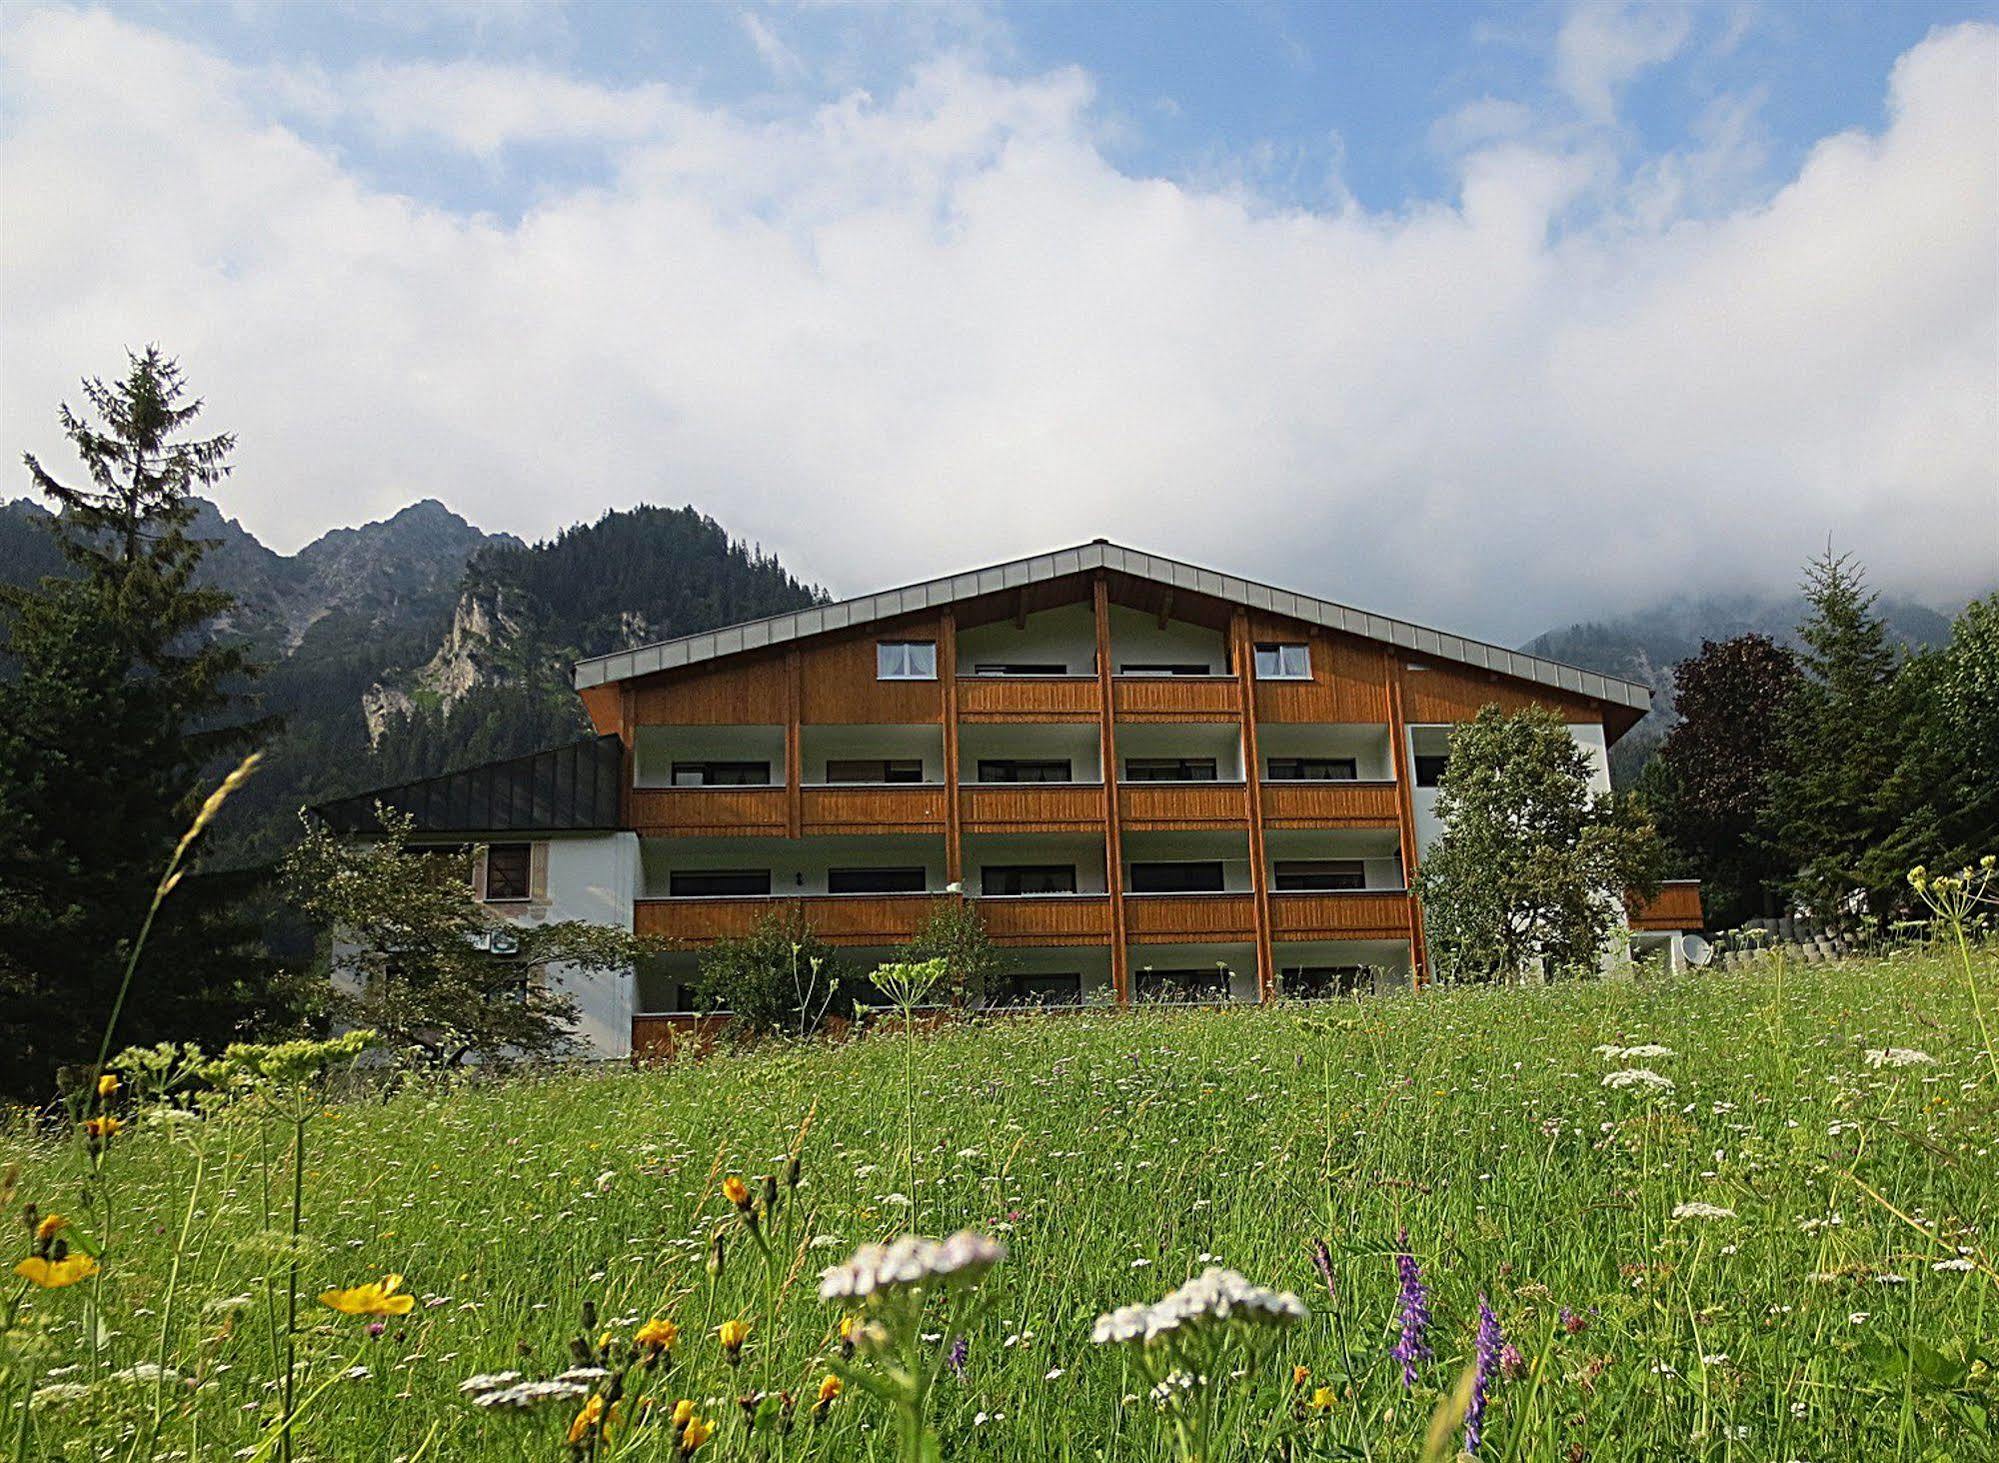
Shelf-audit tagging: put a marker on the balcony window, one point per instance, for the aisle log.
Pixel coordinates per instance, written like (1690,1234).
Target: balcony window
(875,881)
(1164,668)
(1015,769)
(1317,982)
(1283,662)
(1044,990)
(509,872)
(718,883)
(906,660)
(721,774)
(1298,876)
(1169,769)
(1019,668)
(874,769)
(1180,876)
(1430,770)
(1027,879)
(1182,985)
(1314,769)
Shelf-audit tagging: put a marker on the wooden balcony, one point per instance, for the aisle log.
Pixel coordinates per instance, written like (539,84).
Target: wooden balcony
(873,808)
(1031,807)
(1329,804)
(839,919)
(661,1037)
(1176,698)
(1678,907)
(1047,919)
(1348,914)
(1151,806)
(707,812)
(1177,919)
(1027,698)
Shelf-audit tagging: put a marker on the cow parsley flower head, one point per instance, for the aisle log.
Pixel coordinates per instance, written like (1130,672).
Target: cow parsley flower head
(1641,1078)
(911,1262)
(1898,1056)
(1696,1209)
(1648,1052)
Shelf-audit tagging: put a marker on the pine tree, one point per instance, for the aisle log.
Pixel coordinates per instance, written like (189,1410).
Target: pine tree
(1843,735)
(122,709)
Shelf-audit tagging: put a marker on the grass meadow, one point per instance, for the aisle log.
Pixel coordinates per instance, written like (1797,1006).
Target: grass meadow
(1830,1294)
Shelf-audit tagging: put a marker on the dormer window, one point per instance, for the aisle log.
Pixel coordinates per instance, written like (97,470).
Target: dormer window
(906,660)
(1283,661)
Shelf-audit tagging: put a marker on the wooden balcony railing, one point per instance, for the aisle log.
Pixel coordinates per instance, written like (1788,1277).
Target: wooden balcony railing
(1047,919)
(1329,804)
(1027,698)
(873,808)
(660,1037)
(1348,914)
(1150,806)
(1176,698)
(1678,907)
(1152,919)
(839,919)
(1032,807)
(696,812)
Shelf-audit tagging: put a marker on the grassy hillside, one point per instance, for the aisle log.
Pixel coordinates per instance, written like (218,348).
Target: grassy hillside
(1115,1155)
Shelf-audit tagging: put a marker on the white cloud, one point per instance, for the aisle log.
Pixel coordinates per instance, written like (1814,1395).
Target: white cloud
(1603,44)
(898,335)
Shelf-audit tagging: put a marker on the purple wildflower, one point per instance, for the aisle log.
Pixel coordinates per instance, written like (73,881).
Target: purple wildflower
(1512,1365)
(1487,1346)
(1322,1260)
(955,1358)
(1411,1348)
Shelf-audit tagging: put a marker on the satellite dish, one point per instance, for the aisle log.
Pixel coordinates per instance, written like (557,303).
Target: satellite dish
(1695,951)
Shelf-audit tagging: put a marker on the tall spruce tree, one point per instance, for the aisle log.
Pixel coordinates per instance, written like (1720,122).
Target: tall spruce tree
(1844,731)
(121,710)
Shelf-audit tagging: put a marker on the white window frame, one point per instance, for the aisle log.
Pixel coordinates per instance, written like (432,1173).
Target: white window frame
(1280,652)
(896,660)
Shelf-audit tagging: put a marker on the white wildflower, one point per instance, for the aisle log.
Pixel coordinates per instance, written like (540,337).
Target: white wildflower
(524,1395)
(911,1261)
(1898,1056)
(1647,1052)
(1643,1077)
(1960,1265)
(1696,1209)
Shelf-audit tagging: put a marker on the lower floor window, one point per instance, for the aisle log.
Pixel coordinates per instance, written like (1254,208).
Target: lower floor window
(1045,990)
(1209,983)
(1311,982)
(1027,879)
(509,871)
(1179,877)
(716,883)
(875,881)
(874,769)
(1314,769)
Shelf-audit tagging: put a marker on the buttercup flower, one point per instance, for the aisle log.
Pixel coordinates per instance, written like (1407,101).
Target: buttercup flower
(376,1298)
(1324,1399)
(732,1335)
(108,1085)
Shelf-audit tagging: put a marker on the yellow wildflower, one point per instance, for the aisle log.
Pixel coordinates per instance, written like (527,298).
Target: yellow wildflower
(49,1228)
(697,1432)
(591,1413)
(1300,1375)
(736,1192)
(1324,1399)
(732,1335)
(829,1389)
(658,1334)
(54,1274)
(376,1298)
(102,1127)
(683,1411)
(108,1084)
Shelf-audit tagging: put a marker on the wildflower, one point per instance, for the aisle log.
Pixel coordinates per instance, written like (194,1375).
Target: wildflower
(51,1226)
(521,1396)
(51,1274)
(1215,1297)
(697,1431)
(829,1392)
(1324,1399)
(1322,1261)
(850,1328)
(683,1411)
(1898,1056)
(589,1419)
(736,1192)
(108,1085)
(655,1339)
(911,1262)
(1695,1209)
(1643,1077)
(1512,1365)
(1647,1051)
(102,1128)
(1410,1347)
(1300,1375)
(1960,1264)
(732,1335)
(376,1298)
(955,1358)
(488,1382)
(1486,1347)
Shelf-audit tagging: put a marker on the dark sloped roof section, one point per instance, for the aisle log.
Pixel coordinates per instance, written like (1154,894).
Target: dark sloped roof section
(569,789)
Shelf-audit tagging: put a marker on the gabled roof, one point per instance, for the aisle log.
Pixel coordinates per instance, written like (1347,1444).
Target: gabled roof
(569,789)
(1102,554)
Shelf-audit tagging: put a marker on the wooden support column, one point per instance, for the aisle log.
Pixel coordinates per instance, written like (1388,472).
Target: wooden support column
(1100,595)
(947,676)
(794,751)
(1259,867)
(1405,811)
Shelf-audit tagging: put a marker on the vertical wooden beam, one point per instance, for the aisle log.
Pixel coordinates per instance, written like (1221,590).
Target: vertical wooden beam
(947,676)
(1259,867)
(794,751)
(1405,810)
(1100,598)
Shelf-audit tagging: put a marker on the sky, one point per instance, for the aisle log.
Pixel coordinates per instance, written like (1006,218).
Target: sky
(1488,316)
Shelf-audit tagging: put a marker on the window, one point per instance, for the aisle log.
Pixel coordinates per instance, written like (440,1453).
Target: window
(721,774)
(1027,879)
(1283,662)
(1014,769)
(1430,770)
(1313,769)
(1169,769)
(1164,668)
(509,872)
(717,883)
(1315,982)
(1044,990)
(906,660)
(1301,875)
(1210,984)
(875,881)
(1177,877)
(874,769)
(1018,668)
